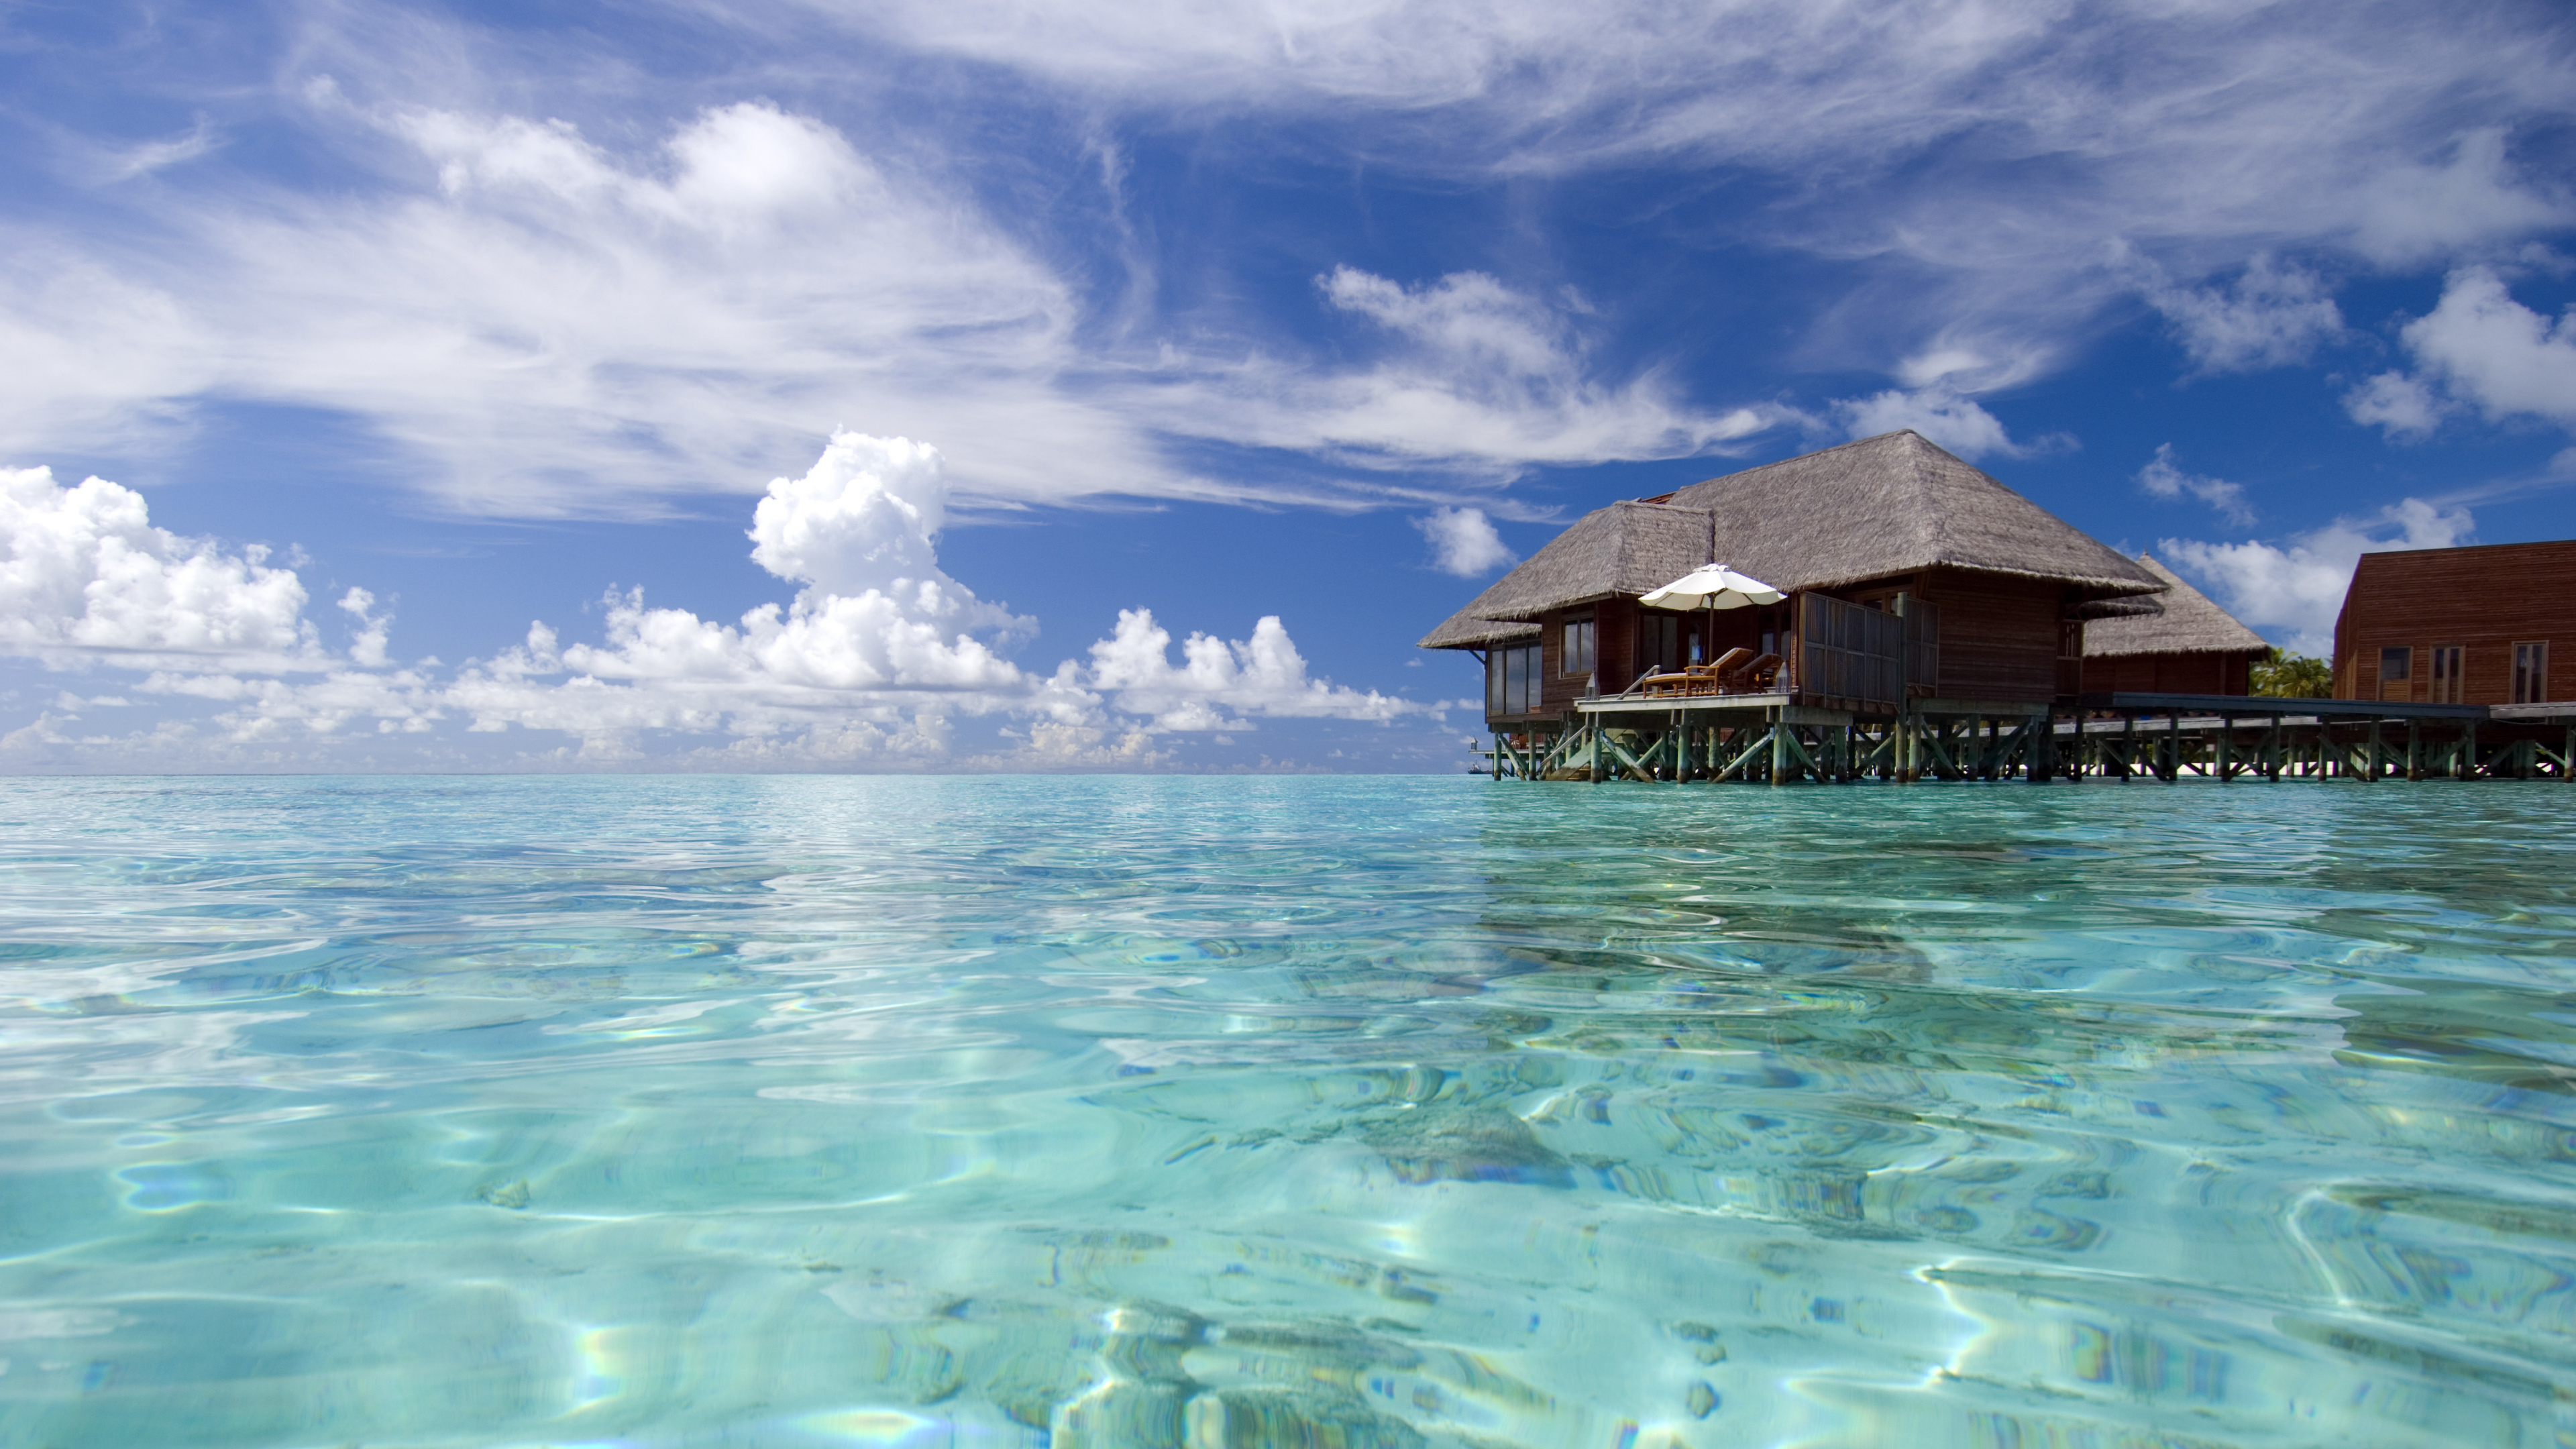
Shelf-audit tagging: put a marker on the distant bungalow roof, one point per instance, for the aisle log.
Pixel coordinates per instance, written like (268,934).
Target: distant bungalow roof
(2189,624)
(1883,506)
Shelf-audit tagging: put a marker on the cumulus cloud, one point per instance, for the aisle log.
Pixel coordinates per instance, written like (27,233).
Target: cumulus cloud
(2477,349)
(87,577)
(2273,316)
(2162,478)
(2494,353)
(1263,676)
(871,664)
(2393,401)
(2297,590)
(876,623)
(1463,542)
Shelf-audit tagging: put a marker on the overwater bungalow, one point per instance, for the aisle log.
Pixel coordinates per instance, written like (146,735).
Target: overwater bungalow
(2189,645)
(2460,625)
(1914,587)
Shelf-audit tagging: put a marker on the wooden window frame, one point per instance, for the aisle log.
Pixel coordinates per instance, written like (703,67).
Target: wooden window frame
(1571,661)
(2405,678)
(2529,686)
(2442,680)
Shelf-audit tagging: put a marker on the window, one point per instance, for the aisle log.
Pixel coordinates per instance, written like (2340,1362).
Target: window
(2396,673)
(2530,673)
(2446,673)
(1512,679)
(1578,647)
(1661,642)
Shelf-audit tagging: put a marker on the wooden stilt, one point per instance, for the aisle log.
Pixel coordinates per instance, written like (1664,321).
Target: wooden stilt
(1780,747)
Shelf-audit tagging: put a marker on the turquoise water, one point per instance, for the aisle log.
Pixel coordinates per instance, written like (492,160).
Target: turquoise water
(1345,1112)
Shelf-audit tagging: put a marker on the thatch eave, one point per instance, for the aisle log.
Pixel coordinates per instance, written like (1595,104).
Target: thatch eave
(2188,623)
(1461,632)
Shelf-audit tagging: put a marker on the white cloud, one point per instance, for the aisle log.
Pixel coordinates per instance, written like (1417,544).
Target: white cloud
(2497,354)
(87,577)
(2161,478)
(126,163)
(2478,348)
(1974,159)
(1957,423)
(871,664)
(1474,374)
(2413,212)
(1463,542)
(1265,676)
(2299,589)
(877,624)
(2392,400)
(367,647)
(558,328)
(2273,316)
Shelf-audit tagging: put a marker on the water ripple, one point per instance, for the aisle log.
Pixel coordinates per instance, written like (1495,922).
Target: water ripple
(1146,1112)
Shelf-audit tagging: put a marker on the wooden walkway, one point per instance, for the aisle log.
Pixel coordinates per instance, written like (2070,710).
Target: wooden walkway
(2119,737)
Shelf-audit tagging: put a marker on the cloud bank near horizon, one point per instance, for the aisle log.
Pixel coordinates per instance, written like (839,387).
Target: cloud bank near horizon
(874,662)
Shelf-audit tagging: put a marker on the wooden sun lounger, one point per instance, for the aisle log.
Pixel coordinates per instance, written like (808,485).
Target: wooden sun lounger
(1697,679)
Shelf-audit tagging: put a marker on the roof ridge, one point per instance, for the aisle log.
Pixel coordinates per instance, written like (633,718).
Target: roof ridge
(1804,457)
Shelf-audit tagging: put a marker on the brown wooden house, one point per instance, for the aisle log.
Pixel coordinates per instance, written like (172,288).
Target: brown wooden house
(1992,591)
(2484,625)
(2189,645)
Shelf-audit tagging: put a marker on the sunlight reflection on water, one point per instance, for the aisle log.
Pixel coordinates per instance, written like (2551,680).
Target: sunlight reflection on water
(1283,1112)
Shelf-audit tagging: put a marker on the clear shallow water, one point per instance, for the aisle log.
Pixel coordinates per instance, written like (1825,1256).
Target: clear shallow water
(1346,1112)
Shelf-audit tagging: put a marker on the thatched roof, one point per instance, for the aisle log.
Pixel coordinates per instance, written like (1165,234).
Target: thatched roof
(1895,504)
(1884,506)
(1626,548)
(2188,624)
(1462,632)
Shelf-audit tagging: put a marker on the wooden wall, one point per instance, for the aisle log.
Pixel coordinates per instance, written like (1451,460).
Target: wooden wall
(1998,634)
(2213,672)
(1999,639)
(2484,599)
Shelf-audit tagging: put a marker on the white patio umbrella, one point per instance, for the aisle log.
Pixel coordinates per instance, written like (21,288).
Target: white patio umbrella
(1712,586)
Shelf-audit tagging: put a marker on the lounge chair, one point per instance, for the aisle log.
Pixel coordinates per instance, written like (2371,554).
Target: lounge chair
(1757,676)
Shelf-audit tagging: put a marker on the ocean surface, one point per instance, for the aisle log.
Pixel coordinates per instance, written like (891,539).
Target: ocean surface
(1299,1112)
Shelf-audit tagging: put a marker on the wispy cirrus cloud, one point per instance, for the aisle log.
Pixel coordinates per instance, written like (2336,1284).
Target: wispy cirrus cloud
(562,329)
(1972,161)
(2164,478)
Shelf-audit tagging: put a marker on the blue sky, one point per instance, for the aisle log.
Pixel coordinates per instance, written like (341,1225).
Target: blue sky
(961,384)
